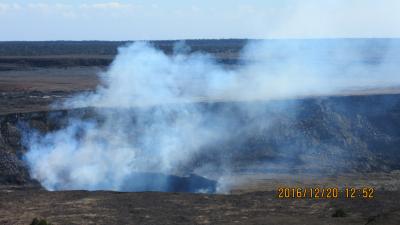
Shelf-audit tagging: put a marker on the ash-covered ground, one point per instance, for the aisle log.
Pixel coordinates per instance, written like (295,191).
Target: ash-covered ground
(349,139)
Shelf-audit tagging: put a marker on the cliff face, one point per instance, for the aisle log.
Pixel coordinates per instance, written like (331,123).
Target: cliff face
(13,170)
(359,134)
(335,134)
(318,135)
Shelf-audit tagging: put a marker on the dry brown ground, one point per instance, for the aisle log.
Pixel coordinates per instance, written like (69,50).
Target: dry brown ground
(49,79)
(256,205)
(35,89)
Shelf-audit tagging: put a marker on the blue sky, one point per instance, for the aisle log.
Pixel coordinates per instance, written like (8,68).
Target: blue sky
(194,19)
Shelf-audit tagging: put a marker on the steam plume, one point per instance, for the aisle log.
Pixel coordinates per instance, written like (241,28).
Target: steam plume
(154,112)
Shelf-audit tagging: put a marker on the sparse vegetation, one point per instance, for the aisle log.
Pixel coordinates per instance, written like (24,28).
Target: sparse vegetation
(339,213)
(37,221)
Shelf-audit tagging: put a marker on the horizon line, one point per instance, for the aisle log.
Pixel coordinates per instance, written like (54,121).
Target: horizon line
(197,39)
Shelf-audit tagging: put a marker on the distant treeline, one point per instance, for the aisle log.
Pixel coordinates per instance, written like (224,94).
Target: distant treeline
(23,54)
(42,48)
(110,48)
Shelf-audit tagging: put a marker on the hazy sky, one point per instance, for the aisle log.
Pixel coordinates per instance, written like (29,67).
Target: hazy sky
(183,19)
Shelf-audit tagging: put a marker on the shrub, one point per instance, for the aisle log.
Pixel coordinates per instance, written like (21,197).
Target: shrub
(36,221)
(339,213)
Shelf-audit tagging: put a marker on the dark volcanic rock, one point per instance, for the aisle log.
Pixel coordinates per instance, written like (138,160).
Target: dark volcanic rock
(12,170)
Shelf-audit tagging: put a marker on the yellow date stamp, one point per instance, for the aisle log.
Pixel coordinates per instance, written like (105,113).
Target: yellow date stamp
(325,192)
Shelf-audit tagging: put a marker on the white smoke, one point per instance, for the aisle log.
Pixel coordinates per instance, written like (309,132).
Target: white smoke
(150,121)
